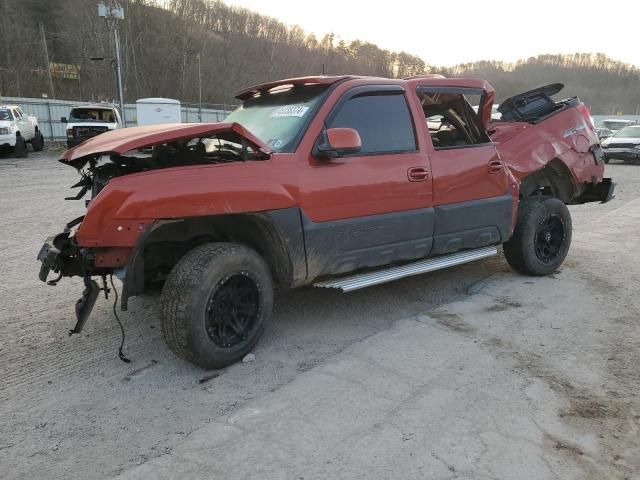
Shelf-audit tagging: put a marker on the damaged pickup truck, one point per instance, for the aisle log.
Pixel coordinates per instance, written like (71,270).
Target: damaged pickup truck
(339,182)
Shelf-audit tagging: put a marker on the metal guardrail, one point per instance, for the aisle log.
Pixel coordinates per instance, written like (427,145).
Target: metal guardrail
(49,112)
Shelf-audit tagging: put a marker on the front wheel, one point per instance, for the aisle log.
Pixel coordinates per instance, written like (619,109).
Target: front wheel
(215,303)
(20,150)
(542,236)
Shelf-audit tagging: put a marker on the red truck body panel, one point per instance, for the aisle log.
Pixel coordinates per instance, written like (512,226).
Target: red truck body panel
(285,180)
(133,199)
(565,136)
(329,191)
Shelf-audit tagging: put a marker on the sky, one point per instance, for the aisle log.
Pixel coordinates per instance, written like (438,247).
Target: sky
(446,33)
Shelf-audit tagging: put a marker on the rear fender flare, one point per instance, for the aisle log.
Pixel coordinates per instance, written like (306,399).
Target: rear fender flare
(554,176)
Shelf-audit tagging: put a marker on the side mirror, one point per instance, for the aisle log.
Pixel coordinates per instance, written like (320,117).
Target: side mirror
(336,142)
(63,119)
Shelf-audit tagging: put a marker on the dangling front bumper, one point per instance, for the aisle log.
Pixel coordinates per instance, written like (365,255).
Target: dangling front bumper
(63,257)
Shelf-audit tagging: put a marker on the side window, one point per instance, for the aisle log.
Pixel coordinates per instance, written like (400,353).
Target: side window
(382,120)
(452,117)
(20,112)
(16,114)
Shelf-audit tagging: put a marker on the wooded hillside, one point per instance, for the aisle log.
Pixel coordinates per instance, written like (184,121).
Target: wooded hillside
(162,42)
(607,86)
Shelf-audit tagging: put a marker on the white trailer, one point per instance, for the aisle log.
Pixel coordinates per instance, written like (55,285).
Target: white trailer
(153,111)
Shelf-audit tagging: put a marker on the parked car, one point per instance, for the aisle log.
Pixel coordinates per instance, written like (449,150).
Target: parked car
(603,133)
(495,114)
(87,121)
(615,124)
(18,129)
(335,182)
(623,145)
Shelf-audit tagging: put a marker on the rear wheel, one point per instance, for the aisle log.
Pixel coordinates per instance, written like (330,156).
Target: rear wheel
(20,150)
(38,141)
(542,236)
(215,303)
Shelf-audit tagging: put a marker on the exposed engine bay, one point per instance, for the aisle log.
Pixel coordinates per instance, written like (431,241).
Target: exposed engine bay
(229,147)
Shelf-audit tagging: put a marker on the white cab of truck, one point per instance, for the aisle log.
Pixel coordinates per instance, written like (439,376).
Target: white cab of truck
(87,121)
(17,129)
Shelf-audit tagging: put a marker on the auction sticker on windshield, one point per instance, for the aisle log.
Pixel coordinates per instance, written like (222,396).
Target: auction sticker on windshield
(286,111)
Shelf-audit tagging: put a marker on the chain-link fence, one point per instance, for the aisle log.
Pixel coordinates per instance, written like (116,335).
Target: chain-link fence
(49,112)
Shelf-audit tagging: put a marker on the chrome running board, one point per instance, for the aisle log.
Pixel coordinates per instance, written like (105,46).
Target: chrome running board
(362,280)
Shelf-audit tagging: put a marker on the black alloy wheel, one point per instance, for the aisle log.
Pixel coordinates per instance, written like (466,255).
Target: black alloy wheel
(233,309)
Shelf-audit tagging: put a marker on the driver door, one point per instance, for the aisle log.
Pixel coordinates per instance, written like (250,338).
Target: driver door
(23,123)
(373,207)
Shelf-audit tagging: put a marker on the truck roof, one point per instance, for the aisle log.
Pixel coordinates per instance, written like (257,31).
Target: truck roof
(410,83)
(426,79)
(96,106)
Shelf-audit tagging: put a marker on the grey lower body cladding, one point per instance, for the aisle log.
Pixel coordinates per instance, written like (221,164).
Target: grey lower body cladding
(343,246)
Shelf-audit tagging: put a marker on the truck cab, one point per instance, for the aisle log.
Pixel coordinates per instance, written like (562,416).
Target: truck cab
(87,121)
(17,129)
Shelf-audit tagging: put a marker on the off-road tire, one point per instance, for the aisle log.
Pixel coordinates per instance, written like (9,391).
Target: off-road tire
(523,251)
(38,142)
(20,150)
(188,293)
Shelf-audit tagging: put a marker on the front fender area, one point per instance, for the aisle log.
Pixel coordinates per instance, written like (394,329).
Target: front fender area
(124,209)
(275,235)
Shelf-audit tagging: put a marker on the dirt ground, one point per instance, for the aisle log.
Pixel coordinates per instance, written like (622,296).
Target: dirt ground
(69,408)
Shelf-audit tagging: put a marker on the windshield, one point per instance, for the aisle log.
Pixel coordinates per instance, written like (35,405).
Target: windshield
(92,115)
(614,124)
(5,114)
(628,132)
(278,117)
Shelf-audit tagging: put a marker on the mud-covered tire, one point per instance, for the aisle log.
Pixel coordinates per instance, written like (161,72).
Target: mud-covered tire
(38,142)
(202,283)
(20,149)
(541,238)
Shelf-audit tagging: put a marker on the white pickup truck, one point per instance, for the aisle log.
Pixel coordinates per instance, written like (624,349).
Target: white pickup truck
(87,121)
(17,129)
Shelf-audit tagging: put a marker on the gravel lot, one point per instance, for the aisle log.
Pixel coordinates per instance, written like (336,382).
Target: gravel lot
(69,408)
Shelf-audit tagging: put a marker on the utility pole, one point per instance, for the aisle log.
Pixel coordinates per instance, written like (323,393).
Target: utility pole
(52,93)
(112,13)
(116,39)
(199,91)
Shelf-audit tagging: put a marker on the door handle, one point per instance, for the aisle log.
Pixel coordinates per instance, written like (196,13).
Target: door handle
(496,166)
(417,174)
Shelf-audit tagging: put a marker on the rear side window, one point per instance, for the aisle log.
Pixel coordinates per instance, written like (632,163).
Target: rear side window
(383,122)
(452,117)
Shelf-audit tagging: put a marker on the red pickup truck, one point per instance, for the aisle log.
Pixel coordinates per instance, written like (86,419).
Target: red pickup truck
(333,181)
